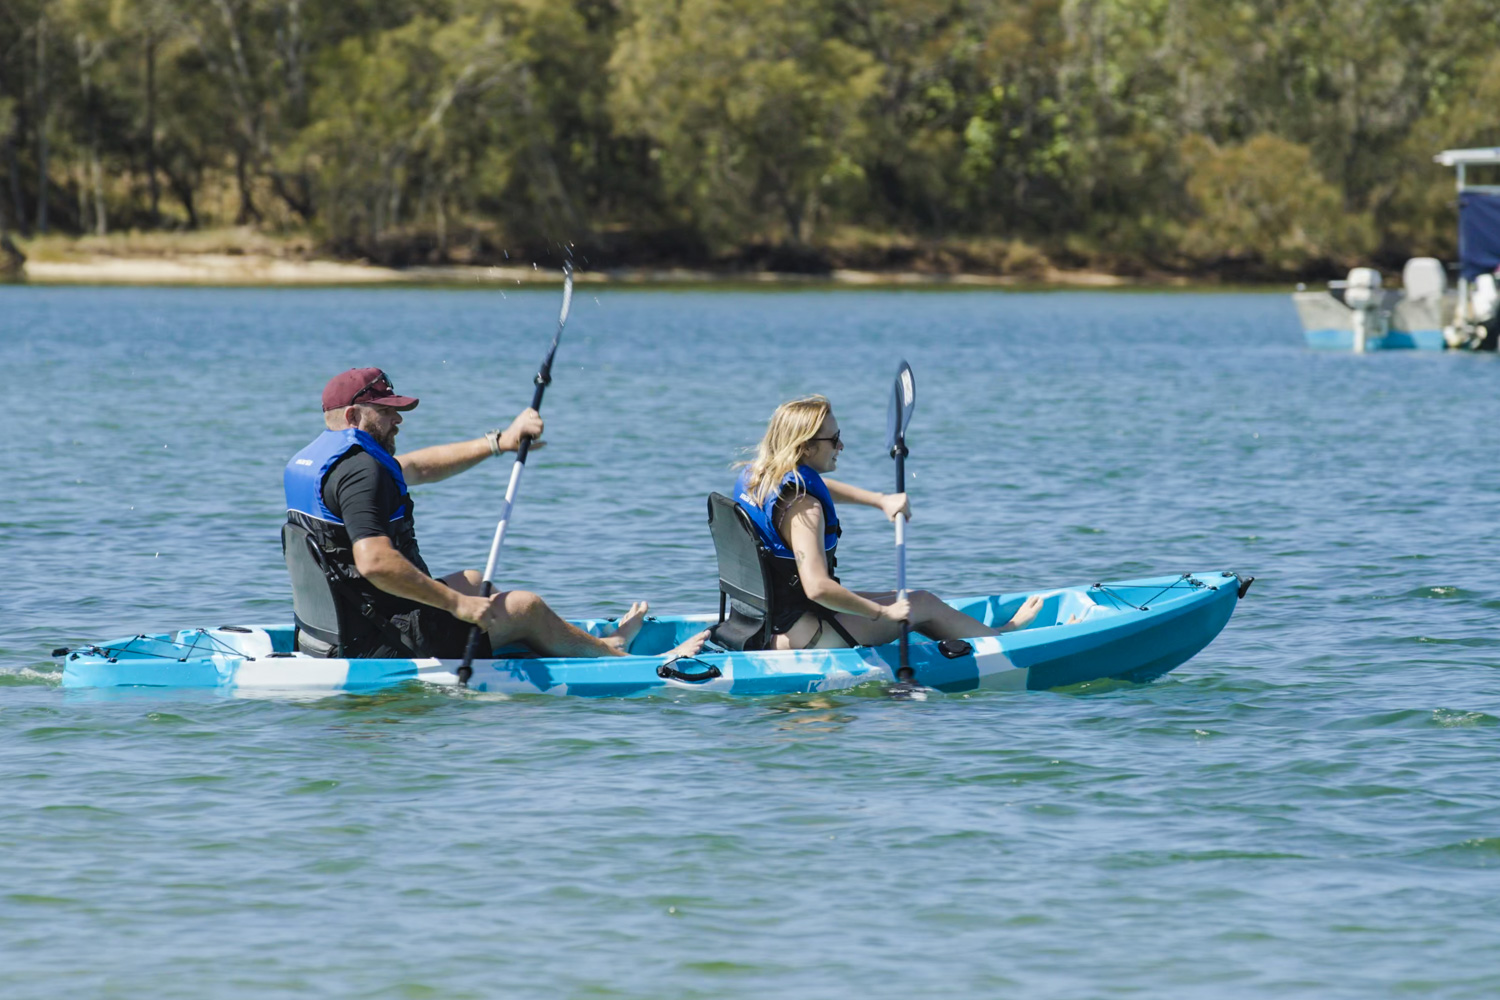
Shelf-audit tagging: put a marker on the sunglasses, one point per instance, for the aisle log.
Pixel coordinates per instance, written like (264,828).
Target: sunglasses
(379,388)
(835,439)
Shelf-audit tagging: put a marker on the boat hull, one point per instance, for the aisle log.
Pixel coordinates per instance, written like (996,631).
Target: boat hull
(1415,324)
(1132,630)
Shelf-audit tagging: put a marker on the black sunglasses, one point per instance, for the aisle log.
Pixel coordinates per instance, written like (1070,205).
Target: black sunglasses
(378,388)
(835,438)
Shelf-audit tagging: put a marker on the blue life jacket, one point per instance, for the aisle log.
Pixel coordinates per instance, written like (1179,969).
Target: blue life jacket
(788,598)
(764,514)
(303,482)
(304,475)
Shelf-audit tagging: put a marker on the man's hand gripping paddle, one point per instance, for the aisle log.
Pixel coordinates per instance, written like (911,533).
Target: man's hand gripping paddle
(898,418)
(543,379)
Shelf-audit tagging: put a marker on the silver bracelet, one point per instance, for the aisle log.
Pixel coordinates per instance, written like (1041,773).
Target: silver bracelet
(493,437)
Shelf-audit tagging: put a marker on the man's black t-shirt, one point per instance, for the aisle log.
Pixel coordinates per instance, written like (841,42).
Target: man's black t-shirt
(363,494)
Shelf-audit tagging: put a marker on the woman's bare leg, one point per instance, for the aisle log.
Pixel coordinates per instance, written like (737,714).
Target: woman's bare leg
(929,616)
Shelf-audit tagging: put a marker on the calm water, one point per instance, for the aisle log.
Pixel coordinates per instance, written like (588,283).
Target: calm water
(1310,807)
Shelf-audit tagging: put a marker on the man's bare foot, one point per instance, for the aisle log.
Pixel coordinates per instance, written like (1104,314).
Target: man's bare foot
(628,627)
(690,647)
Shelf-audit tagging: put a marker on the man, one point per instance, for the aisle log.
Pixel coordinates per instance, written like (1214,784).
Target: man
(347,491)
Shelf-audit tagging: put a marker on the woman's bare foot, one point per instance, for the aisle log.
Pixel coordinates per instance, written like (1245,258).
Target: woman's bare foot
(690,647)
(629,627)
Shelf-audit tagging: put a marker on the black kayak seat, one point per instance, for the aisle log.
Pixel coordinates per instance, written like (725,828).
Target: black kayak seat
(745,603)
(315,606)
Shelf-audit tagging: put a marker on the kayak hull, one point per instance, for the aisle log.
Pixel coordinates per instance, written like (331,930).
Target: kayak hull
(1133,630)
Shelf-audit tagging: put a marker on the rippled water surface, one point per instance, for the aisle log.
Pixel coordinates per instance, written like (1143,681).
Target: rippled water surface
(1307,808)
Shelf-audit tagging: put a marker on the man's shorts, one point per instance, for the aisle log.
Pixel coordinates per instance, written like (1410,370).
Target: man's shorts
(427,631)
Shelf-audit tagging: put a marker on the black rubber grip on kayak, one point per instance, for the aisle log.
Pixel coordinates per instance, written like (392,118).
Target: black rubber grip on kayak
(1244,582)
(954,648)
(668,672)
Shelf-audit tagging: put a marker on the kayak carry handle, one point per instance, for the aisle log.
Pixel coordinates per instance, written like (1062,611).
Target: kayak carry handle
(668,672)
(1244,582)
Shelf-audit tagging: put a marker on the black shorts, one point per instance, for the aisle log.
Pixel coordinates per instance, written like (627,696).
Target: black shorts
(427,631)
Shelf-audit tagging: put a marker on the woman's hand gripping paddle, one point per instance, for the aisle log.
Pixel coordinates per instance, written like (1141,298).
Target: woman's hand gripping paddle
(898,418)
(543,379)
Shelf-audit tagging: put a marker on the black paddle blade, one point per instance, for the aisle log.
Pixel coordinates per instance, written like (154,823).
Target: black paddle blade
(898,414)
(907,691)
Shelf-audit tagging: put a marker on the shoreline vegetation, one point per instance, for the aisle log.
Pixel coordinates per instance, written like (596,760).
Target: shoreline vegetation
(242,256)
(1094,143)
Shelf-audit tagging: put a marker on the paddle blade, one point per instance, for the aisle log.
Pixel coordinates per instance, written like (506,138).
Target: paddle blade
(903,401)
(567,294)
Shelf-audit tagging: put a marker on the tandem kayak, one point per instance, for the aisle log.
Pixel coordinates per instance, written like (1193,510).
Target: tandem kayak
(1134,630)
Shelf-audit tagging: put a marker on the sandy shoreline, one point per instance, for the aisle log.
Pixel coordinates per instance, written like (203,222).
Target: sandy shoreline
(256,269)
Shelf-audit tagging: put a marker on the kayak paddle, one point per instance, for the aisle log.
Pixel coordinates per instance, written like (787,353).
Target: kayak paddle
(897,419)
(543,379)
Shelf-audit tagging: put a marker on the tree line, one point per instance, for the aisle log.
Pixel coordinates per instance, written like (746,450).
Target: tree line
(1244,136)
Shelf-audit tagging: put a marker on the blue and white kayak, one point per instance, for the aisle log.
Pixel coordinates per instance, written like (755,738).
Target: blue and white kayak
(1135,630)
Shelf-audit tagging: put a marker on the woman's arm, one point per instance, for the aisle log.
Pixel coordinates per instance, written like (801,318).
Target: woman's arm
(802,527)
(889,504)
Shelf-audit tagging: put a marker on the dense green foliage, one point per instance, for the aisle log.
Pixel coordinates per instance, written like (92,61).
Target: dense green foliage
(1239,135)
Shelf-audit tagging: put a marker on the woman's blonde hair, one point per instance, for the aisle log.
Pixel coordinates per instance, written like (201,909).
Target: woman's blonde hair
(792,426)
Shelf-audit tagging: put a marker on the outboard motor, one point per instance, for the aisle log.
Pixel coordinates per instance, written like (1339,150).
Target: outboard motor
(1486,300)
(1362,293)
(1423,278)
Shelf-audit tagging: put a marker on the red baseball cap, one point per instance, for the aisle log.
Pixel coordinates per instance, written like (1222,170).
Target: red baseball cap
(363,385)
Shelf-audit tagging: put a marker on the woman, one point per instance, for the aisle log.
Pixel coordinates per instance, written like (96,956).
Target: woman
(792,506)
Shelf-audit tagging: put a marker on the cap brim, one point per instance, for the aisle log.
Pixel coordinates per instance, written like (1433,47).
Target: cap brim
(396,402)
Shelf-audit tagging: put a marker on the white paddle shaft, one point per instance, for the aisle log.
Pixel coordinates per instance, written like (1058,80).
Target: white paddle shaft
(510,499)
(901,555)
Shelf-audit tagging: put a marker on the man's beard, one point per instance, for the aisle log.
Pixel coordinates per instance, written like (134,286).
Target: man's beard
(386,440)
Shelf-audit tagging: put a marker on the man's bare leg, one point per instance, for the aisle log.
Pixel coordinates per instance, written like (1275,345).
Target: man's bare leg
(628,627)
(525,618)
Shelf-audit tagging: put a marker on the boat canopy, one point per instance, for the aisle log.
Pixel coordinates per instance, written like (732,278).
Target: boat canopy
(1478,233)
(1465,157)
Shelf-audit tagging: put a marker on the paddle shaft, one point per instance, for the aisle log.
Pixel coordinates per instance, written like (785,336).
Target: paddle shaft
(510,498)
(487,585)
(899,453)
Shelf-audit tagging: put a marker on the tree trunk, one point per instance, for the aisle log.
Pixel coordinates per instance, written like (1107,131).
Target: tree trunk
(41,125)
(13,171)
(182,187)
(92,180)
(151,129)
(248,213)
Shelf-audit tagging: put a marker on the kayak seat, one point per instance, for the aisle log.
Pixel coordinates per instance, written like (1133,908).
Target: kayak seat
(315,607)
(745,609)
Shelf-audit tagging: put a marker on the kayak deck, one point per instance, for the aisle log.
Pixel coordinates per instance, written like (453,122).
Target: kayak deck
(1133,630)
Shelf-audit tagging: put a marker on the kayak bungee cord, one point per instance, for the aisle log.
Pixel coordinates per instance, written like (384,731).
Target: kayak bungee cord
(898,417)
(1184,581)
(543,379)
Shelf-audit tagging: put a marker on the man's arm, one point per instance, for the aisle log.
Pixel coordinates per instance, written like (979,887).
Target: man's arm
(379,562)
(429,465)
